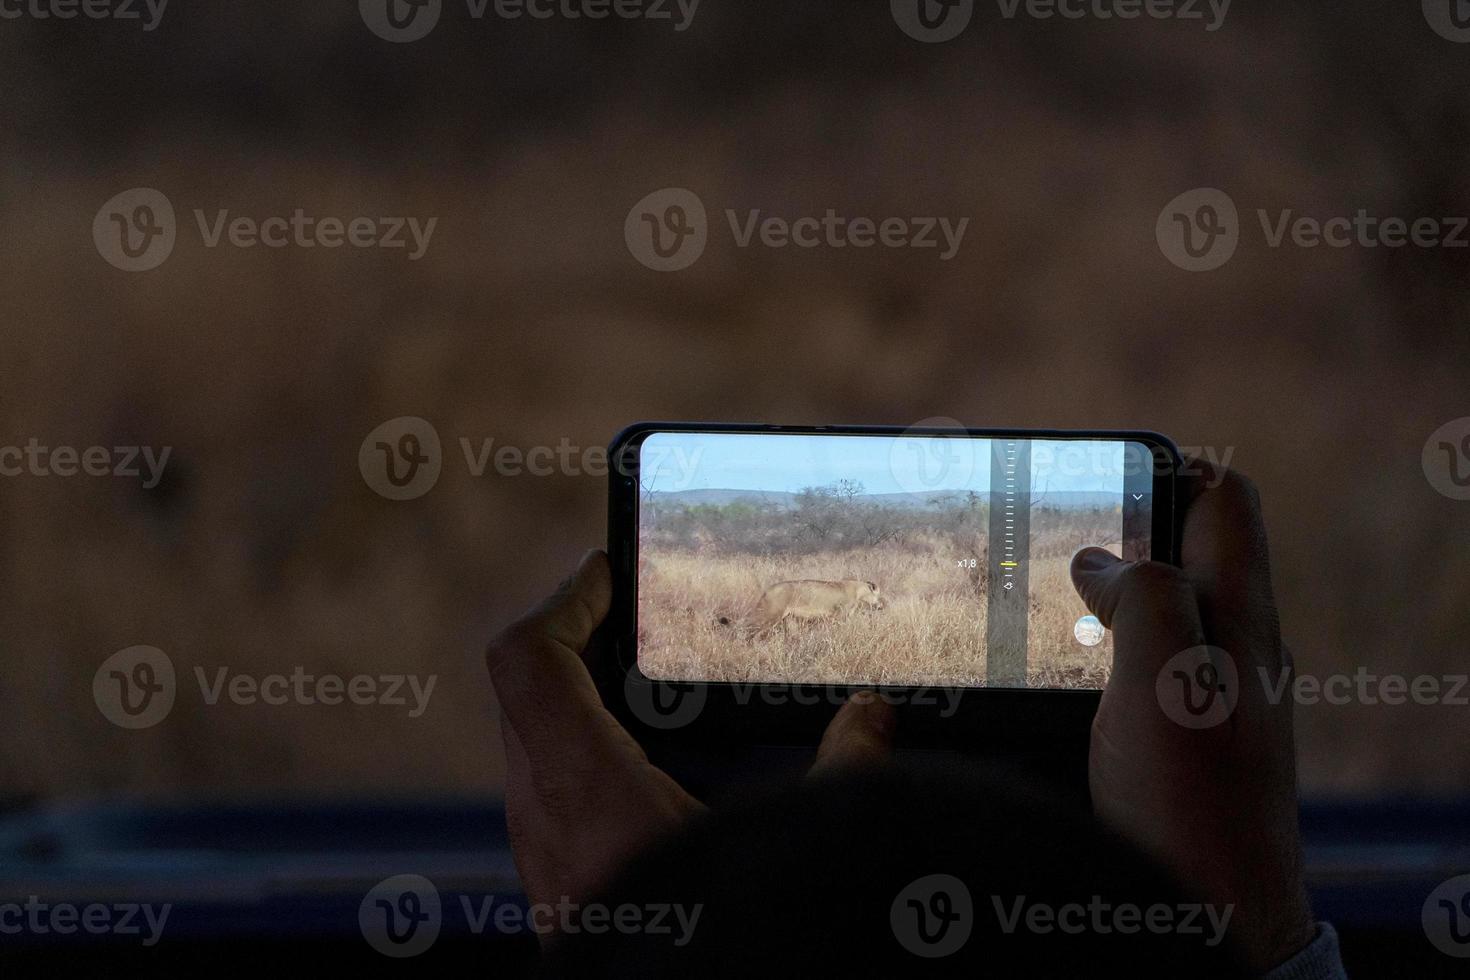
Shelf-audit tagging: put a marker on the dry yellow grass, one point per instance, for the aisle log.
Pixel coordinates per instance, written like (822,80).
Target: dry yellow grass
(932,631)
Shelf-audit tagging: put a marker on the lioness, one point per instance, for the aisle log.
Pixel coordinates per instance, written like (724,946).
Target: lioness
(810,599)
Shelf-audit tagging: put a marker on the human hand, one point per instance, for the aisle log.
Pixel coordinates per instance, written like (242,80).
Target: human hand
(1216,804)
(581,795)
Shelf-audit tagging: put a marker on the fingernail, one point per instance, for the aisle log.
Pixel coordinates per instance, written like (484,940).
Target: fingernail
(877,713)
(883,718)
(570,582)
(1093,559)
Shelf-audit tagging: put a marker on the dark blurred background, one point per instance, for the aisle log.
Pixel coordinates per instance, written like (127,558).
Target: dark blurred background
(1322,371)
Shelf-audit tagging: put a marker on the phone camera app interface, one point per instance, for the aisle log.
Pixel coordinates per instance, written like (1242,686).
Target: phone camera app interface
(885,560)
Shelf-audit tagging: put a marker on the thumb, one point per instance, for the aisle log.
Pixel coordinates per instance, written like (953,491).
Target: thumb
(571,613)
(1151,608)
(536,664)
(861,735)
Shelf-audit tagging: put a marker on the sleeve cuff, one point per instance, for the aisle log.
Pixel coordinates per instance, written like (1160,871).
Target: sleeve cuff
(1320,960)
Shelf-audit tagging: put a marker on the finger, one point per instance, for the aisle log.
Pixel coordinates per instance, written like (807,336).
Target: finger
(861,735)
(536,663)
(1150,607)
(524,815)
(1225,557)
(571,613)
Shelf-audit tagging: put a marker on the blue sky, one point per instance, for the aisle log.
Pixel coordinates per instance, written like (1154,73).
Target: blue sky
(675,461)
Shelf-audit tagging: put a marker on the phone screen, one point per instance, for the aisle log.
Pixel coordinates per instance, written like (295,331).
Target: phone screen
(904,560)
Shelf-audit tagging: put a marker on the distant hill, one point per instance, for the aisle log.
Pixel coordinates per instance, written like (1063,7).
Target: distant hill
(1075,500)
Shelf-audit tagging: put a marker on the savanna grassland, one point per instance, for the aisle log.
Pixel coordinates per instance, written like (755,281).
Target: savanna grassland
(702,564)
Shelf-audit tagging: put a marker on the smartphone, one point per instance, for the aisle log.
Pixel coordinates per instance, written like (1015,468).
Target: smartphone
(872,557)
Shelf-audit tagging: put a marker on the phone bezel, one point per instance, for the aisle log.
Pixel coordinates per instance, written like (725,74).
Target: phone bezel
(727,718)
